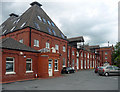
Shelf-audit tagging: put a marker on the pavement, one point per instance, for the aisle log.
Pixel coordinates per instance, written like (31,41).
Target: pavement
(81,80)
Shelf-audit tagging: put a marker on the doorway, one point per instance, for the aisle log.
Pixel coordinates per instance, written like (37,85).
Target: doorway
(50,67)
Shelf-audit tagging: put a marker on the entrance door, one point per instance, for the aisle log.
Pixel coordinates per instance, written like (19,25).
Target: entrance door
(88,64)
(50,68)
(84,64)
(81,64)
(77,63)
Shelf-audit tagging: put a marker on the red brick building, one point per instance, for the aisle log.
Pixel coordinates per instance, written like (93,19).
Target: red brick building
(105,54)
(33,46)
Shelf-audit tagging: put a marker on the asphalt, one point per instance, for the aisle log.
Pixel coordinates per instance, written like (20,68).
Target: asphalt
(81,80)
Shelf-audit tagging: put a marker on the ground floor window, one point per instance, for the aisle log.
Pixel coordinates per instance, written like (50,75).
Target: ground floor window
(88,63)
(56,65)
(63,62)
(93,63)
(9,65)
(28,65)
(85,64)
(77,63)
(81,63)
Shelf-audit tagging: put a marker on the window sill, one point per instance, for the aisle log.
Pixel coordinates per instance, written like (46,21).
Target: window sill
(10,73)
(56,70)
(36,46)
(29,71)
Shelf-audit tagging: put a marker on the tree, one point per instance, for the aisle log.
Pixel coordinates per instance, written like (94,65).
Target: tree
(116,55)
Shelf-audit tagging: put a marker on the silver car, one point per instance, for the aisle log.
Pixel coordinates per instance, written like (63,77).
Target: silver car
(109,70)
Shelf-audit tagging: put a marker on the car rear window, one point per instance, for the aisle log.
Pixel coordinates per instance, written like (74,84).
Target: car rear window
(109,67)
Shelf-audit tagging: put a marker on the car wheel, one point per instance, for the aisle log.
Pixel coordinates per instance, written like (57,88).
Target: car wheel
(106,74)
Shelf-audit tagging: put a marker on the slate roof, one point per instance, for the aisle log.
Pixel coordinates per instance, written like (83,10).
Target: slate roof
(76,39)
(9,43)
(35,17)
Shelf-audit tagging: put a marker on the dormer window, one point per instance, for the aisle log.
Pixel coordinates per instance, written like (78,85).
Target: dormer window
(52,24)
(17,20)
(44,20)
(39,18)
(36,25)
(49,22)
(53,32)
(49,30)
(23,24)
(62,35)
(14,22)
(4,31)
(12,29)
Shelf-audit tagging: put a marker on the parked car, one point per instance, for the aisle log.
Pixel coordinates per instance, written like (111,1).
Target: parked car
(68,70)
(109,70)
(96,69)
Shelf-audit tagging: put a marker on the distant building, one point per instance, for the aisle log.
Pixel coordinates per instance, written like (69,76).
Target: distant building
(105,54)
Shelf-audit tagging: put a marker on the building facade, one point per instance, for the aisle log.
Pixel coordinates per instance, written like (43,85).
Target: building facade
(34,47)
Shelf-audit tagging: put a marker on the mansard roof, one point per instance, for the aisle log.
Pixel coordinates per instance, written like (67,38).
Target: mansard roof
(35,17)
(9,43)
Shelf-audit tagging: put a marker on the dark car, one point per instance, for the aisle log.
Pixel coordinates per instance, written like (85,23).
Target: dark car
(96,69)
(109,70)
(67,70)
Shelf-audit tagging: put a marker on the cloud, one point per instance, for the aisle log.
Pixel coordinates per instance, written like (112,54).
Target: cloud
(96,20)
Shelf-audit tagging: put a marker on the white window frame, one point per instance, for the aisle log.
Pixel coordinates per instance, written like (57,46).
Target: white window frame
(73,53)
(31,65)
(57,47)
(40,19)
(21,40)
(77,54)
(12,28)
(47,45)
(85,64)
(106,57)
(88,63)
(64,49)
(36,43)
(56,66)
(85,54)
(81,54)
(88,55)
(106,53)
(23,24)
(13,72)
(4,31)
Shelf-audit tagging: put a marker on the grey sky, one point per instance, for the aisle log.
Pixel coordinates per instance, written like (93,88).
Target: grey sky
(96,20)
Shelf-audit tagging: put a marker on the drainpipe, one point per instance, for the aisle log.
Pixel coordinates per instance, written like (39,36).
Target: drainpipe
(30,38)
